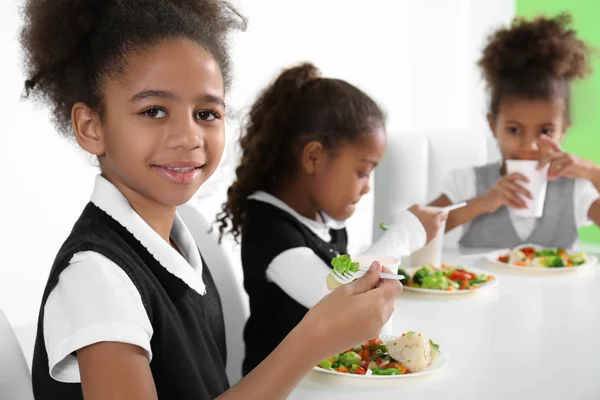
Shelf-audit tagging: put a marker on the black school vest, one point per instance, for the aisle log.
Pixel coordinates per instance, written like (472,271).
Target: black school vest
(273,314)
(188,343)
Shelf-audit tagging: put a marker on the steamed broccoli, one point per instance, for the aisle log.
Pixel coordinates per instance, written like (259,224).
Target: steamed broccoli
(403,281)
(344,264)
(420,274)
(435,281)
(554,262)
(545,253)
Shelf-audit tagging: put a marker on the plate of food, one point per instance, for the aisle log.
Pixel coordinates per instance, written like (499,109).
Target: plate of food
(387,357)
(448,279)
(538,258)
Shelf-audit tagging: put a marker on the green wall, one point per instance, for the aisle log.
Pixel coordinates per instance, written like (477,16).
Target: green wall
(584,136)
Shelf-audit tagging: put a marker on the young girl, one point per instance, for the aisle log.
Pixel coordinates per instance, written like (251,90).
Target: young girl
(130,310)
(529,68)
(309,148)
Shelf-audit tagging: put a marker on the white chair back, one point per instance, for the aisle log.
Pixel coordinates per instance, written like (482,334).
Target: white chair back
(15,380)
(224,263)
(416,164)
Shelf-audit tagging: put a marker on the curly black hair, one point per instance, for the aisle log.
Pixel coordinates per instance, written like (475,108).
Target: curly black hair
(70,46)
(536,59)
(298,107)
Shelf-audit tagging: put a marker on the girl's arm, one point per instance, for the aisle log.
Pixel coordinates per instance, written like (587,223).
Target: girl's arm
(113,370)
(356,312)
(594,211)
(474,208)
(281,372)
(566,165)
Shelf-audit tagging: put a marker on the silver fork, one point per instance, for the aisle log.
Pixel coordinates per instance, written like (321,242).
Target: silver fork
(347,277)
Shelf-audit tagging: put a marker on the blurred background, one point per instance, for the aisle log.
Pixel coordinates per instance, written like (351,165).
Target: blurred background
(415,57)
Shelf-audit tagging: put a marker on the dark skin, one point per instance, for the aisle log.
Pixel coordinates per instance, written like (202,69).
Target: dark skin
(165,111)
(333,182)
(526,130)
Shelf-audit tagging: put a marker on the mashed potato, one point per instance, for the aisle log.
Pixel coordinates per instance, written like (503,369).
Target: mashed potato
(412,350)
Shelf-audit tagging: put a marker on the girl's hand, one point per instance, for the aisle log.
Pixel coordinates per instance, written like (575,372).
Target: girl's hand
(431,219)
(507,192)
(352,313)
(563,164)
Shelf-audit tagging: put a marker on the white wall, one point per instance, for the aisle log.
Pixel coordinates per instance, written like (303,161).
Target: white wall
(414,57)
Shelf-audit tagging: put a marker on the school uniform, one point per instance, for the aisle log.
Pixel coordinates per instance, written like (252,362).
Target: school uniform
(116,280)
(566,210)
(286,258)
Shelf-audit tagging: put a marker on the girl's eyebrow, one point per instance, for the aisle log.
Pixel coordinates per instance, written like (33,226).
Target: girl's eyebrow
(165,94)
(365,160)
(144,94)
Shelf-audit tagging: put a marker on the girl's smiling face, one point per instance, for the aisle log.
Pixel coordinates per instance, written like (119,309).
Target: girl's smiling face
(162,132)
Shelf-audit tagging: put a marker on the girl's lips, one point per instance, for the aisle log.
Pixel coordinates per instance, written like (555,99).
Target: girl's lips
(179,174)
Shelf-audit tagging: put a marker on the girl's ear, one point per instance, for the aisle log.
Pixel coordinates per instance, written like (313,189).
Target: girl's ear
(491,123)
(313,155)
(87,126)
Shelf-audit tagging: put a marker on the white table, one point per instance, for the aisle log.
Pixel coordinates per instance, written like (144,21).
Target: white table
(534,336)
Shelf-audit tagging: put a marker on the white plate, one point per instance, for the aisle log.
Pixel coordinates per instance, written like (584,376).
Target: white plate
(488,285)
(440,362)
(492,257)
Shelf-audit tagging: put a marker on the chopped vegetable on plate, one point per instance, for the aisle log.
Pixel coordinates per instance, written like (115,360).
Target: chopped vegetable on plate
(406,354)
(529,256)
(448,278)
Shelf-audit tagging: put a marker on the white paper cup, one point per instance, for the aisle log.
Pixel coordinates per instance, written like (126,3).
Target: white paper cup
(538,181)
(431,253)
(365,261)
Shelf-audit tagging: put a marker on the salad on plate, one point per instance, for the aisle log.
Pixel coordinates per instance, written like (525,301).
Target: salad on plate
(406,354)
(447,278)
(530,256)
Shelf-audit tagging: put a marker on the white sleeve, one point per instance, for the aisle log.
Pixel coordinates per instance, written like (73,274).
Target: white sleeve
(584,195)
(406,235)
(459,185)
(94,301)
(301,274)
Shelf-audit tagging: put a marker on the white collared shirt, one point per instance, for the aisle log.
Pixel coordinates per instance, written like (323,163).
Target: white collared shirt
(96,301)
(301,274)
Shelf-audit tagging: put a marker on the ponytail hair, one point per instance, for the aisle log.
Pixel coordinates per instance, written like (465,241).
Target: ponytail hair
(299,106)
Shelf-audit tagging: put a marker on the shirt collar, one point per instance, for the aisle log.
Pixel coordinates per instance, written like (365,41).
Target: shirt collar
(321,229)
(187,267)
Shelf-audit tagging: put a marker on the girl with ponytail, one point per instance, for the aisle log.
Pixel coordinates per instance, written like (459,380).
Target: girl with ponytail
(309,147)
